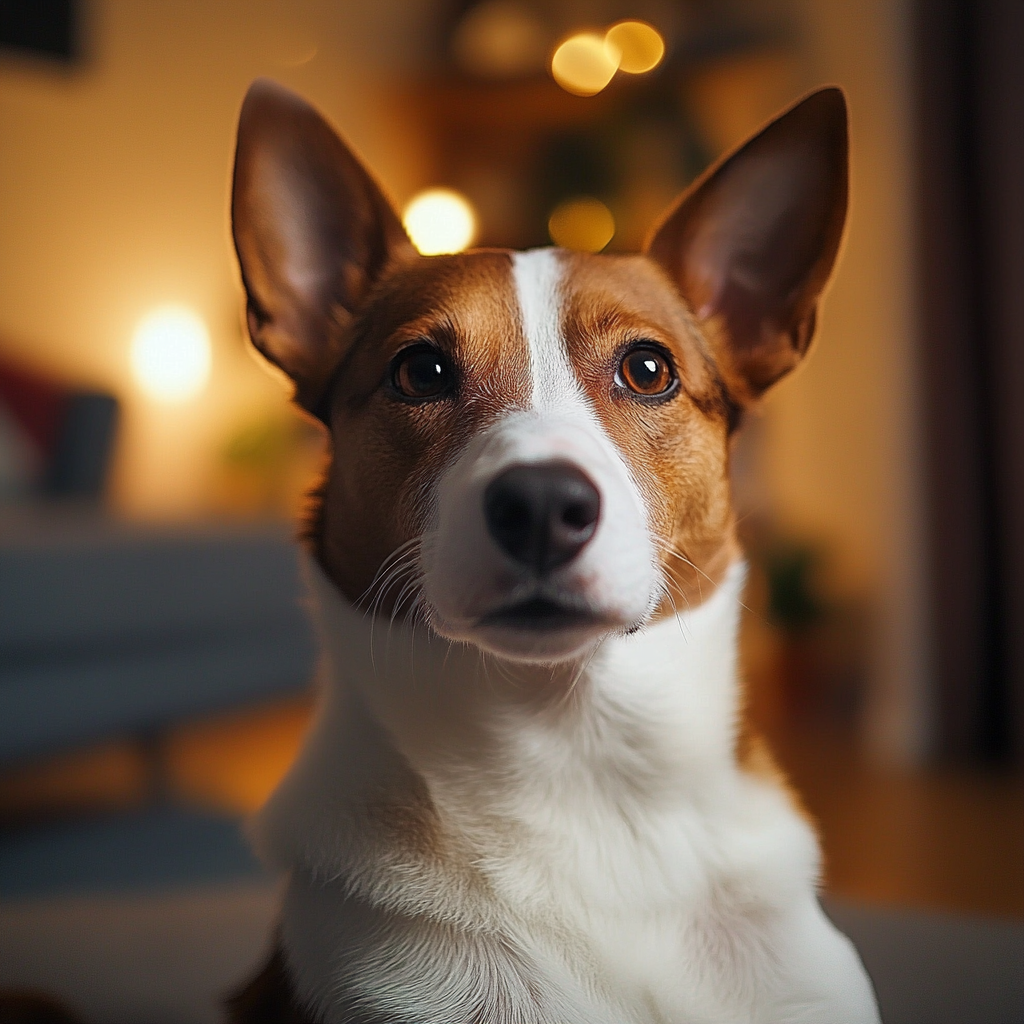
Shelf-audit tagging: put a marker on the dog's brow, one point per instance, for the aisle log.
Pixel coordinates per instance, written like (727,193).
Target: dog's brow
(537,276)
(436,326)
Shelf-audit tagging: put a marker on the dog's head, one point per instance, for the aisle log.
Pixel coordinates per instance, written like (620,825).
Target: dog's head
(531,449)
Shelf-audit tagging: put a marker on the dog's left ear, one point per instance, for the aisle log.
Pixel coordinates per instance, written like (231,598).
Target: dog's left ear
(313,232)
(752,243)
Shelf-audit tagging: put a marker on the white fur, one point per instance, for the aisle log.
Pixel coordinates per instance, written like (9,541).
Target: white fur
(465,574)
(598,857)
(537,275)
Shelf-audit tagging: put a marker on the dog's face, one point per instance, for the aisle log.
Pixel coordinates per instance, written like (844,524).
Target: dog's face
(549,424)
(531,449)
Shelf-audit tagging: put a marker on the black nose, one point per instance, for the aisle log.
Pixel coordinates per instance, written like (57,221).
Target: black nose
(542,514)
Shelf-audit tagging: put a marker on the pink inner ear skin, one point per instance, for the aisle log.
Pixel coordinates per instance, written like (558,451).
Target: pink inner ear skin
(753,242)
(313,232)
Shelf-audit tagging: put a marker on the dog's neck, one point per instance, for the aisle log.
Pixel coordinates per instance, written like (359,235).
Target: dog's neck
(406,718)
(449,707)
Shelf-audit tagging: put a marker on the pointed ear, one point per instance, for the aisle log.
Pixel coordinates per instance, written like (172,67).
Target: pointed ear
(313,232)
(752,243)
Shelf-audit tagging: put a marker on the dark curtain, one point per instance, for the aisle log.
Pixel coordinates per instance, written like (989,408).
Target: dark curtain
(969,72)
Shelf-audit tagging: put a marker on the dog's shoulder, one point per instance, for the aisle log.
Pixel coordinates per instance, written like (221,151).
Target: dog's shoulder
(270,998)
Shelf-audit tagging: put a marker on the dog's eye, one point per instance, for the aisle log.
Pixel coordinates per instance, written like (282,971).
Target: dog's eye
(421,373)
(646,371)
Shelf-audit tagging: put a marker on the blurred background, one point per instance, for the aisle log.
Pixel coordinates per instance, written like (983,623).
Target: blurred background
(154,662)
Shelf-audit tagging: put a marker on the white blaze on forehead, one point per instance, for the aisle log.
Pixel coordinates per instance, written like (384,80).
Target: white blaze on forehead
(466,574)
(537,275)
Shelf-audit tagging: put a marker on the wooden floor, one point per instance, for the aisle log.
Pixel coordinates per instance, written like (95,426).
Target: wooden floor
(936,839)
(948,841)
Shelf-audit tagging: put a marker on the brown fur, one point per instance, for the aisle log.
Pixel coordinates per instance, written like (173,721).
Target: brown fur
(386,451)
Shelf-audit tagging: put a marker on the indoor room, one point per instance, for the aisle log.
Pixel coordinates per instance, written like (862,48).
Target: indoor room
(158,658)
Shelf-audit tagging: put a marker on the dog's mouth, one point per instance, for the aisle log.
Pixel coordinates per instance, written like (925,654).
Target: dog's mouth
(541,614)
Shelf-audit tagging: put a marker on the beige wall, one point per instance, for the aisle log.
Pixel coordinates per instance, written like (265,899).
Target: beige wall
(842,448)
(113,197)
(836,453)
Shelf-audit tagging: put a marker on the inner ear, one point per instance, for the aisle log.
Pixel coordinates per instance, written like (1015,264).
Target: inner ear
(313,232)
(752,243)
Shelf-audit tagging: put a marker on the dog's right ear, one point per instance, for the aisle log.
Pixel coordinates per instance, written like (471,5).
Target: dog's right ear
(313,231)
(752,243)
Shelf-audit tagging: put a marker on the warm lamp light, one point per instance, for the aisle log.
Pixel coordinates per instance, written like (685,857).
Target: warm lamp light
(170,354)
(500,39)
(639,45)
(584,64)
(439,220)
(584,224)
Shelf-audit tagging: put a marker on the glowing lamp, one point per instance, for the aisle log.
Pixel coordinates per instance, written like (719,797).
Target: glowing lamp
(583,224)
(639,46)
(584,64)
(439,220)
(170,354)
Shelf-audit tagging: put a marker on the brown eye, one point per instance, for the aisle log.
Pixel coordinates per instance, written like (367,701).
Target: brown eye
(646,371)
(421,373)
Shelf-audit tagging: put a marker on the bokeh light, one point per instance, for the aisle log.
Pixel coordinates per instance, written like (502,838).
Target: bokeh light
(584,64)
(500,38)
(170,354)
(440,220)
(639,45)
(584,224)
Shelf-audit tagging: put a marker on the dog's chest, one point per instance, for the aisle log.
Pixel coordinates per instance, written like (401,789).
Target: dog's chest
(604,915)
(600,861)
(663,913)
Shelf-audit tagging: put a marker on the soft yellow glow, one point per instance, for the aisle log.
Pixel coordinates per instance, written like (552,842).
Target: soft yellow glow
(584,224)
(639,45)
(170,354)
(500,38)
(440,220)
(584,64)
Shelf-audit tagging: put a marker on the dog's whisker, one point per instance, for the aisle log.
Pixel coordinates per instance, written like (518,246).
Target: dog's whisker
(675,609)
(401,578)
(396,571)
(378,602)
(409,590)
(666,586)
(385,567)
(400,562)
(675,552)
(669,550)
(395,575)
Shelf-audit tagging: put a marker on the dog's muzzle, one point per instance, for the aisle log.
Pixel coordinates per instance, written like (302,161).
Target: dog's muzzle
(542,514)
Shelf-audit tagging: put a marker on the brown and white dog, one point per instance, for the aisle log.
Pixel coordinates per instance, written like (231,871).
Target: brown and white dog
(529,796)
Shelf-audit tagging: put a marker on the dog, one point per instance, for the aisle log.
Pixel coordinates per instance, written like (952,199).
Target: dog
(529,795)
